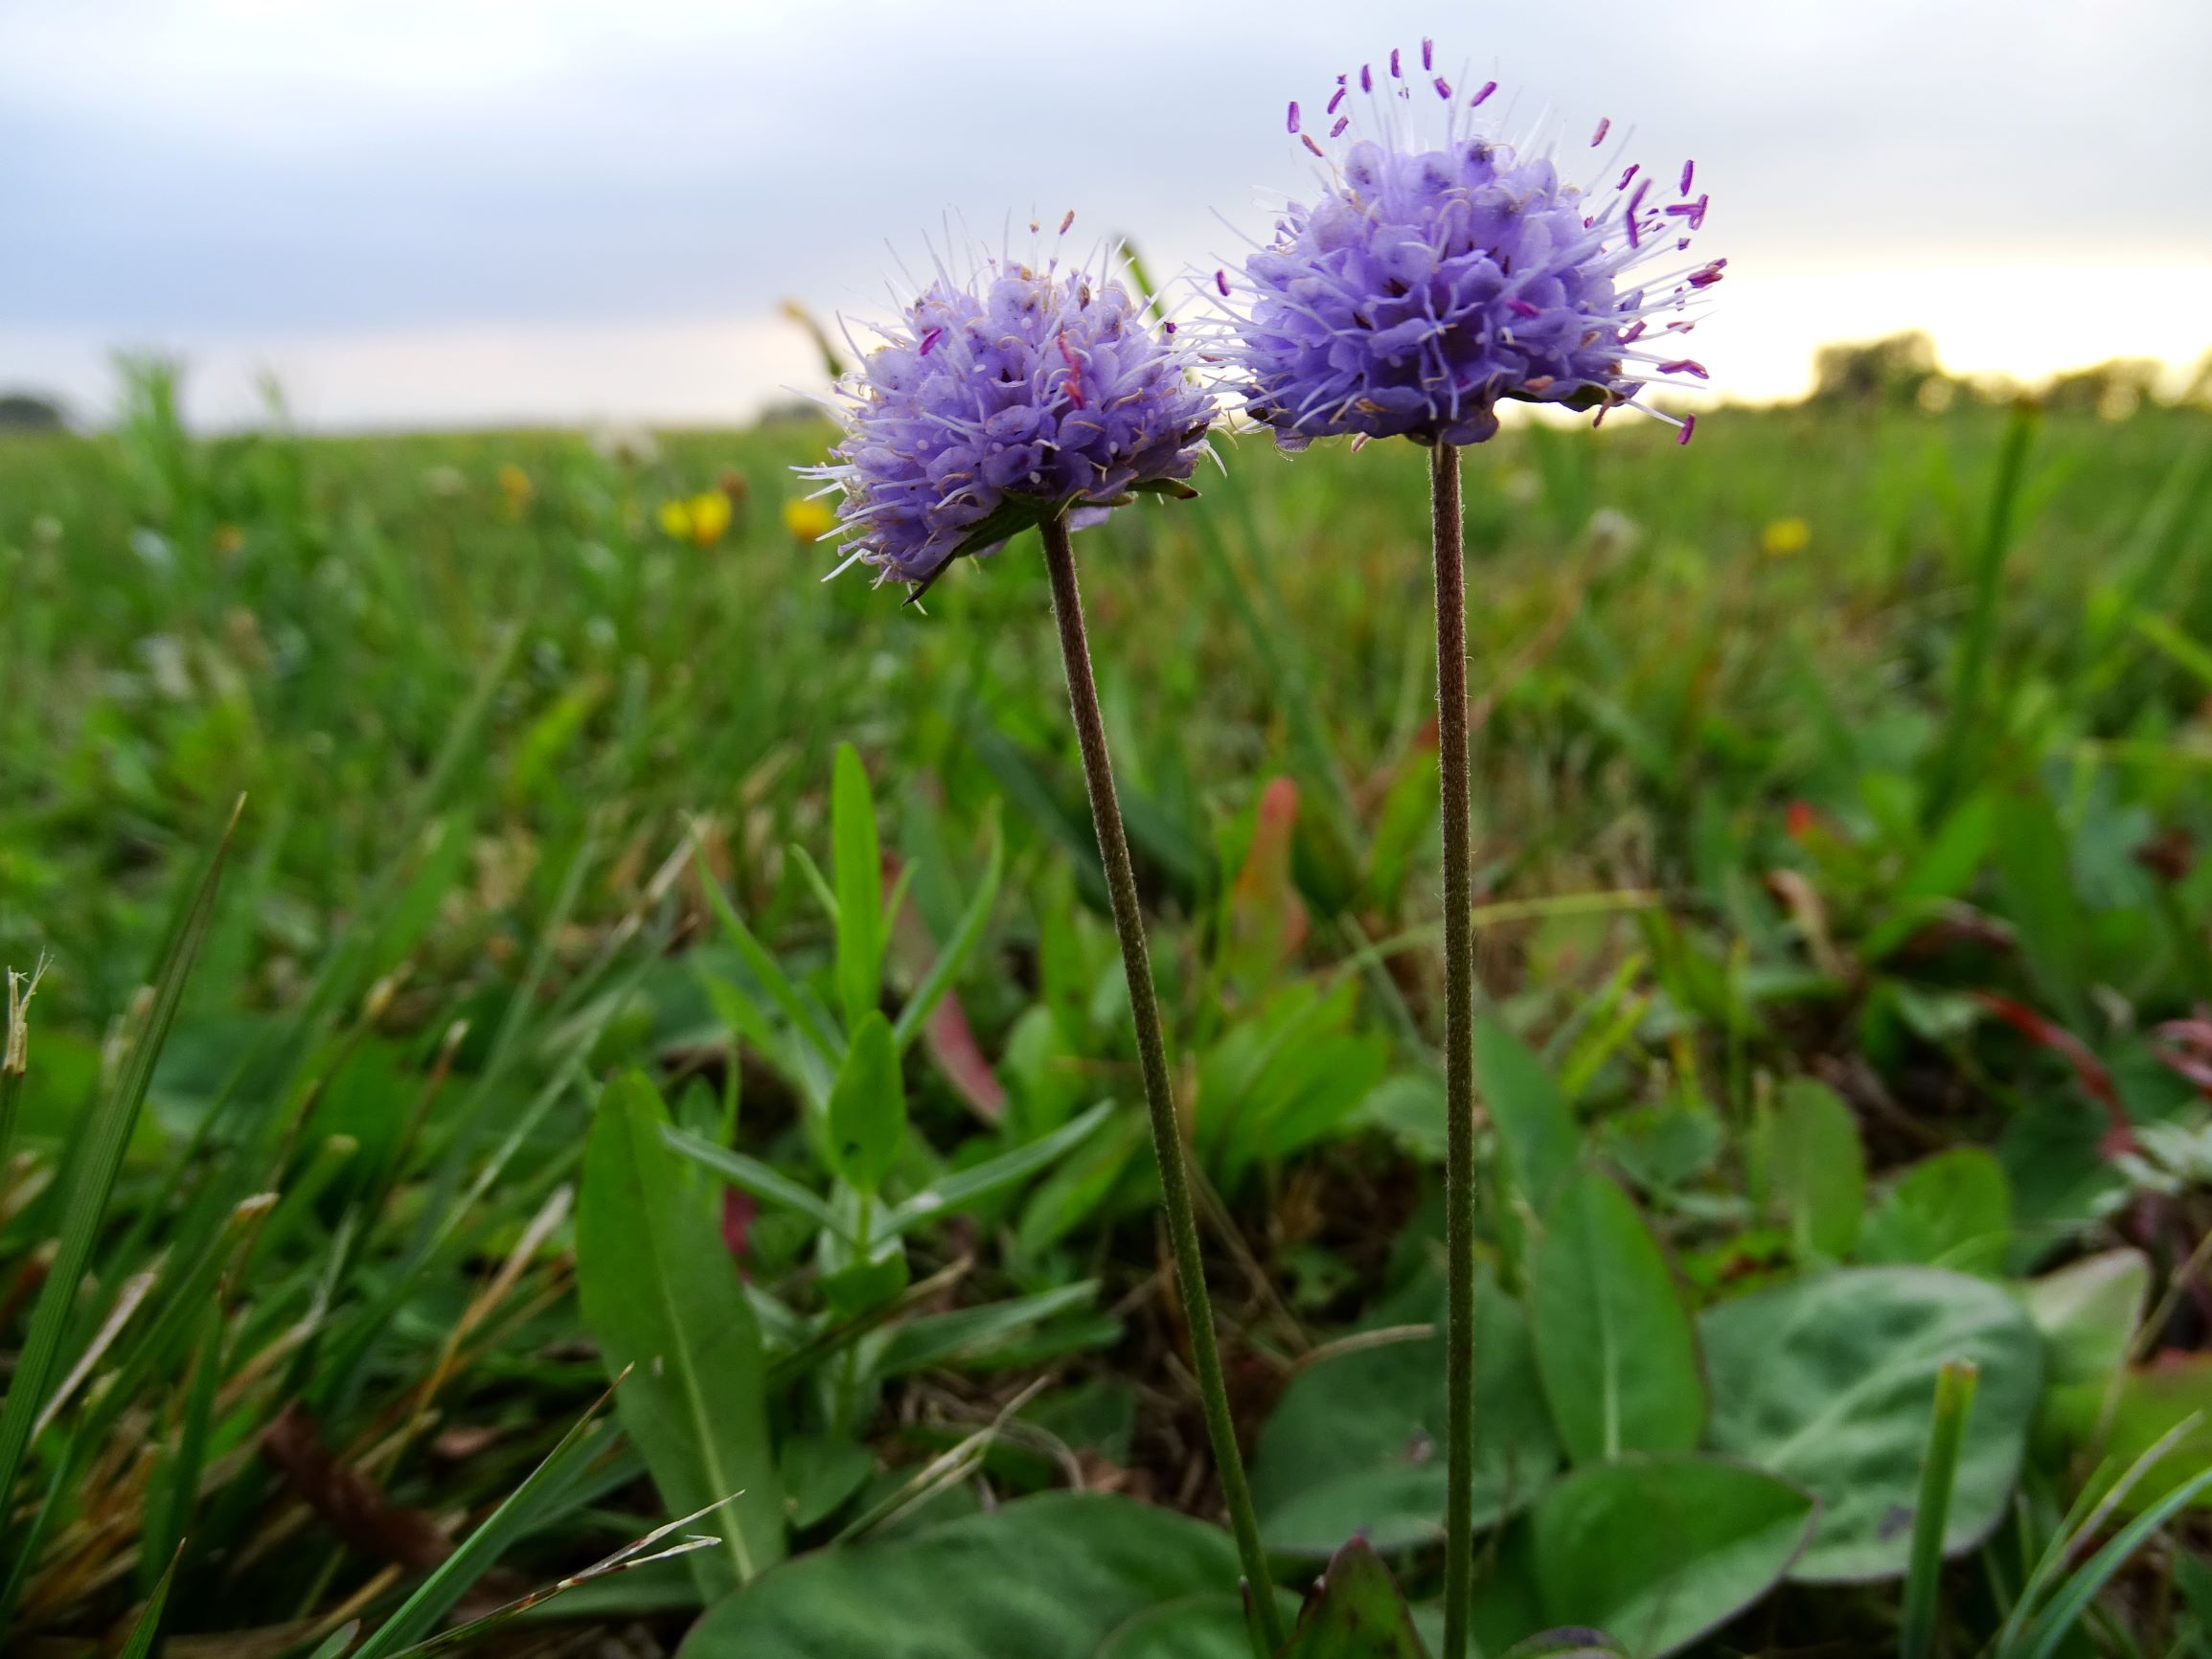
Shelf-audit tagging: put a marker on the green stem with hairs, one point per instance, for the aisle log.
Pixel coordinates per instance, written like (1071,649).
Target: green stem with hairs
(1458,1046)
(1152,1060)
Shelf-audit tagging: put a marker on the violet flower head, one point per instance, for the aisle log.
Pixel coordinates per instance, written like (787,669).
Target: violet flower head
(997,403)
(1430,278)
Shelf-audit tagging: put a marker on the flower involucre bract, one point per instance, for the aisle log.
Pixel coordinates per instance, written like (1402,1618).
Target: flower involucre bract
(1423,285)
(1000,402)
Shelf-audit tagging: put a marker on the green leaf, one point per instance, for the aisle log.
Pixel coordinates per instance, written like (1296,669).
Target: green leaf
(1047,1578)
(1818,1169)
(660,1295)
(980,1180)
(2087,1311)
(860,872)
(1355,1443)
(1828,1382)
(1569,1643)
(1536,1130)
(820,1472)
(1356,1612)
(1659,1549)
(751,1176)
(868,1105)
(1953,1210)
(1613,1344)
(2036,878)
(953,957)
(970,1333)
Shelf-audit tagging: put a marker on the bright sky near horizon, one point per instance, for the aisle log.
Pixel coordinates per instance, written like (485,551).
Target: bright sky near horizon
(461,212)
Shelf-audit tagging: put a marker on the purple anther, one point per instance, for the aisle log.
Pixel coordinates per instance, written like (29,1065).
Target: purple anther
(1604,125)
(1689,425)
(1294,115)
(1488,87)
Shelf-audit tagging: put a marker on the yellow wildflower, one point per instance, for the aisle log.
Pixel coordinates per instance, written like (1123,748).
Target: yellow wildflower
(808,521)
(1786,537)
(515,488)
(698,520)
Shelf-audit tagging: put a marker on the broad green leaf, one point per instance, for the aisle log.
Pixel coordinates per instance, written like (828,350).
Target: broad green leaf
(868,1105)
(819,1473)
(1047,1578)
(1828,1382)
(1355,1613)
(2087,1311)
(1568,1642)
(1535,1130)
(2120,1423)
(661,1296)
(1818,1169)
(859,877)
(1656,1551)
(1953,1210)
(1613,1344)
(1355,1443)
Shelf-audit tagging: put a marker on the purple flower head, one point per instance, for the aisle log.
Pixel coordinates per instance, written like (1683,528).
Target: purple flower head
(997,403)
(1429,278)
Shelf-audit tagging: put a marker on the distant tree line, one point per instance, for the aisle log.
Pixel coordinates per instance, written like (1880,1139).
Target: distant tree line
(1901,372)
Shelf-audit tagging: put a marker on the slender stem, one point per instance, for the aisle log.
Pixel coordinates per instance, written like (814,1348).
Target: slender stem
(1938,1473)
(1152,1059)
(1458,1047)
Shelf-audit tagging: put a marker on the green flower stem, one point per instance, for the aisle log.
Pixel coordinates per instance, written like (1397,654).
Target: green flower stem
(1152,1059)
(1938,1474)
(1458,1046)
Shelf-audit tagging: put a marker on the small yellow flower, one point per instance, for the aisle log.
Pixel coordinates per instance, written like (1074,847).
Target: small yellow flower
(808,521)
(698,520)
(1786,537)
(229,539)
(515,488)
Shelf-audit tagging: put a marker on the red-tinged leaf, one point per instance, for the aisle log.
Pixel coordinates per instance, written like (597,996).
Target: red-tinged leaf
(2089,1071)
(2184,1046)
(952,1048)
(1267,918)
(740,1210)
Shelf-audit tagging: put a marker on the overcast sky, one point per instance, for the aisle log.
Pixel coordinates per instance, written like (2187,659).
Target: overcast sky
(461,210)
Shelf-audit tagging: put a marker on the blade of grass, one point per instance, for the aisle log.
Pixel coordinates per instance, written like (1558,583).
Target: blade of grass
(98,1156)
(1966,703)
(147,1629)
(482,1549)
(1954,1386)
(2074,1597)
(957,950)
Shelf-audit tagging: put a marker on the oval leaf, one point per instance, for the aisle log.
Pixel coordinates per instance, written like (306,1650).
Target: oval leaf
(1828,1382)
(1657,1551)
(1614,1346)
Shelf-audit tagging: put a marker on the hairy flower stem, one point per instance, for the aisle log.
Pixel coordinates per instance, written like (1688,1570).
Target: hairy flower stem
(1152,1059)
(1458,1046)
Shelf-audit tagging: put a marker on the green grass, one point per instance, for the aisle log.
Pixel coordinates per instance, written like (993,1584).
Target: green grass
(538,797)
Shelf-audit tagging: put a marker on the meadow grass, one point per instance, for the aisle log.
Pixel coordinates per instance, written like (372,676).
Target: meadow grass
(1789,776)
